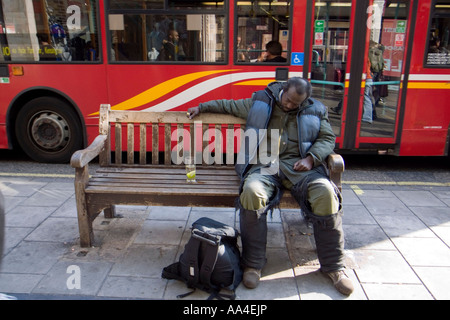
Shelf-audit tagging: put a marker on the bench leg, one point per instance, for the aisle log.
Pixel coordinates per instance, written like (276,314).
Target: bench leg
(110,212)
(84,219)
(84,225)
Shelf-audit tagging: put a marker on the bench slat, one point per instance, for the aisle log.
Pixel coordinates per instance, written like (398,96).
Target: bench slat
(204,170)
(118,135)
(173,179)
(130,143)
(142,144)
(160,184)
(155,143)
(170,117)
(120,189)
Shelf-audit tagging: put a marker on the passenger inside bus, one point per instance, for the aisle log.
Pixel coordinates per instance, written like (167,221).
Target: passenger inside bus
(172,49)
(435,46)
(273,52)
(242,52)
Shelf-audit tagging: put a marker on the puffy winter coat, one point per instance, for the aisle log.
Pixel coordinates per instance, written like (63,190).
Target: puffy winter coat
(315,134)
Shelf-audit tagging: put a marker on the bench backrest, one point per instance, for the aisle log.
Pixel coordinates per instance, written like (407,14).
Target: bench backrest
(170,133)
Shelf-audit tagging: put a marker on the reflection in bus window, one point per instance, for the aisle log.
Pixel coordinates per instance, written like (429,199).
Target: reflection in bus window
(329,55)
(167,37)
(387,24)
(258,23)
(52,30)
(438,49)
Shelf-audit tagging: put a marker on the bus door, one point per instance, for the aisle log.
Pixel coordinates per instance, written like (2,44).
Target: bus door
(357,61)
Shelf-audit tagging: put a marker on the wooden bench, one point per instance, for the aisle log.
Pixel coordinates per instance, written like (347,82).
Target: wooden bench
(149,175)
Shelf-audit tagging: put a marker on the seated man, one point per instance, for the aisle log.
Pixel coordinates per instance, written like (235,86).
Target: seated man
(303,137)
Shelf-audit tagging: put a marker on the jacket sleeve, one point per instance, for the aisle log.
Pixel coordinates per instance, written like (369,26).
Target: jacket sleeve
(324,145)
(238,108)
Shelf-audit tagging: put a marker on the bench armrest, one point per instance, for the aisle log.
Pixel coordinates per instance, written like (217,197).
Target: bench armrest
(82,157)
(336,162)
(336,167)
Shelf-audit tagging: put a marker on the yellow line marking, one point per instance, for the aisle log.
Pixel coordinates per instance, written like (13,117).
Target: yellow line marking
(399,183)
(356,189)
(36,175)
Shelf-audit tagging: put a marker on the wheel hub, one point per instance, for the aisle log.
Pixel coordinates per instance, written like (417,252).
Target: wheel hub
(50,131)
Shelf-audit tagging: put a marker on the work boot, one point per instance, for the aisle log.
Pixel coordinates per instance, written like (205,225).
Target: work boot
(251,277)
(341,282)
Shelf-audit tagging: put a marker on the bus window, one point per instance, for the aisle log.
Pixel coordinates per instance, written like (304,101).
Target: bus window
(168,35)
(438,48)
(52,30)
(260,23)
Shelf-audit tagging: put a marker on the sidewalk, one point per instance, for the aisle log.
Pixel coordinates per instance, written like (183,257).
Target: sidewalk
(397,244)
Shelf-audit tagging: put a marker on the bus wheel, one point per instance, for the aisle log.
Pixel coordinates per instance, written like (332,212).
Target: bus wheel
(48,130)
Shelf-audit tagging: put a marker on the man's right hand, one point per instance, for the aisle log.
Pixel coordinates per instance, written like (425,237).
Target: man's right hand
(193,112)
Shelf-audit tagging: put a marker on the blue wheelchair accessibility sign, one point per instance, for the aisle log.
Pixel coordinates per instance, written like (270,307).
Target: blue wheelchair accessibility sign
(297,58)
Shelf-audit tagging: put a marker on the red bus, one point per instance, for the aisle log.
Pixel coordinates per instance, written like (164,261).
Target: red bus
(61,59)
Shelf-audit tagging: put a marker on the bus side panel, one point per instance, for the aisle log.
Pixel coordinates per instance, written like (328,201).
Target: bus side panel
(420,143)
(427,112)
(3,140)
(426,122)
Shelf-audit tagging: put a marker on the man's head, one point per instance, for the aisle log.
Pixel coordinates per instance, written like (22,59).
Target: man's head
(274,48)
(173,35)
(295,91)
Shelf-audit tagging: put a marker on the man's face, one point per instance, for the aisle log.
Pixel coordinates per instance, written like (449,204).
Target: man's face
(291,100)
(174,36)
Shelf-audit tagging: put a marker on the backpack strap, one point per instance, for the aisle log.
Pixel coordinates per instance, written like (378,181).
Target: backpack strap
(191,253)
(209,263)
(212,243)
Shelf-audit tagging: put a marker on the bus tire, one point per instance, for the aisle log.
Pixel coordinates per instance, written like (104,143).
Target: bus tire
(48,130)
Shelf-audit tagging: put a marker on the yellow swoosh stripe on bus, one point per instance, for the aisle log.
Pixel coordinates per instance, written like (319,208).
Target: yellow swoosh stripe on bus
(259,82)
(160,90)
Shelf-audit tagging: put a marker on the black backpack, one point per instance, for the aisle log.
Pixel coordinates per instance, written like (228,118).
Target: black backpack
(210,261)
